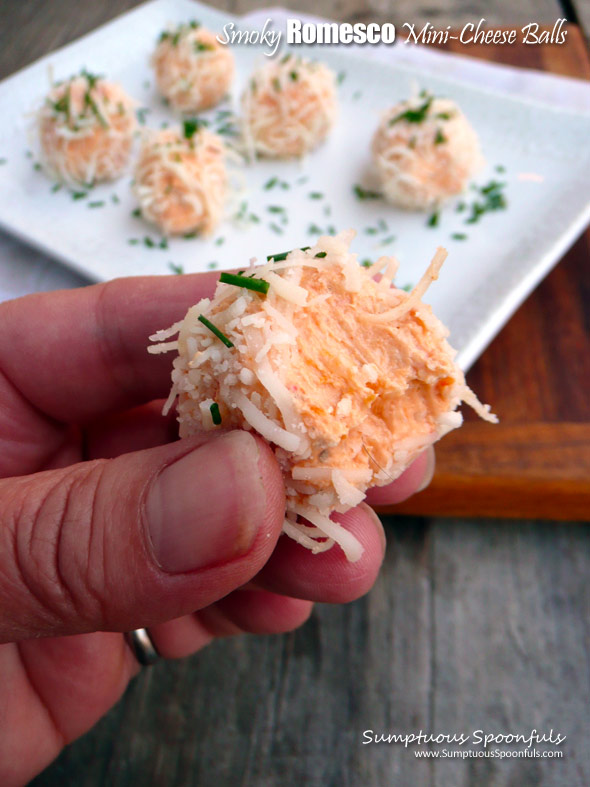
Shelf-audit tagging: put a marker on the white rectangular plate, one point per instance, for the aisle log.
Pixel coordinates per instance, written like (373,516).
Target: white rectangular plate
(486,276)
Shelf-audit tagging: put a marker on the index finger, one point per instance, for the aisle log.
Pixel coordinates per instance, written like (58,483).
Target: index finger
(78,354)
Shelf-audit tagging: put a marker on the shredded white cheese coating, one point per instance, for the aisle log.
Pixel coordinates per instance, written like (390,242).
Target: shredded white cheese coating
(422,161)
(324,471)
(289,107)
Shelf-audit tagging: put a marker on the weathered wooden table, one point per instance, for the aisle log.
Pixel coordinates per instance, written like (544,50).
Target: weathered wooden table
(473,624)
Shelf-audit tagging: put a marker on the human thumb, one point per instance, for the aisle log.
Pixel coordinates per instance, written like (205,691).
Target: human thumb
(125,543)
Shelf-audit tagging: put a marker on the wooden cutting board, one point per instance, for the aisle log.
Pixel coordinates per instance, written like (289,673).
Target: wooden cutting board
(535,374)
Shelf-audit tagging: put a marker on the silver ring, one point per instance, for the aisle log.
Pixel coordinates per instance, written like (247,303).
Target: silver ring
(142,646)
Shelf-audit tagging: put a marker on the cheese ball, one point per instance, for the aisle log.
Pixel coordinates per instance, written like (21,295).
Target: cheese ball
(349,379)
(424,151)
(86,127)
(180,179)
(193,70)
(289,107)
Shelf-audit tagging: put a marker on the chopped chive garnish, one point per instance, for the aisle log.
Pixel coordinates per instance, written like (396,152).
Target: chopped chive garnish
(283,254)
(341,77)
(220,241)
(276,83)
(212,265)
(407,287)
(460,207)
(382,224)
(275,228)
(141,115)
(313,229)
(459,236)
(190,235)
(190,127)
(115,199)
(37,166)
(356,95)
(366,263)
(203,46)
(417,115)
(258,285)
(254,218)
(389,239)
(136,213)
(443,115)
(133,241)
(55,187)
(215,414)
(270,183)
(275,208)
(163,244)
(79,194)
(294,75)
(28,154)
(316,195)
(363,193)
(2,161)
(98,204)
(433,219)
(439,137)
(177,269)
(371,230)
(321,254)
(215,331)
(147,241)
(500,168)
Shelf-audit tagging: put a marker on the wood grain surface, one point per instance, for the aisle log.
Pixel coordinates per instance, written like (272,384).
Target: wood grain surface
(473,624)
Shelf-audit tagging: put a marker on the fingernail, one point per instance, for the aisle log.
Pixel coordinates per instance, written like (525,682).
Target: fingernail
(205,508)
(429,471)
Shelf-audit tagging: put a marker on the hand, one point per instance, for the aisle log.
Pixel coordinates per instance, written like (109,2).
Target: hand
(108,523)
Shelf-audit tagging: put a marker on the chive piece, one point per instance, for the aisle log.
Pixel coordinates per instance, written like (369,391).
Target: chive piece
(460,207)
(362,193)
(220,241)
(283,254)
(443,115)
(177,269)
(258,285)
(270,183)
(321,254)
(215,414)
(2,161)
(37,166)
(147,241)
(294,76)
(417,115)
(356,95)
(190,127)
(212,265)
(55,187)
(98,204)
(275,208)
(316,195)
(141,115)
(439,137)
(371,230)
(136,213)
(366,263)
(115,199)
(313,229)
(215,331)
(203,46)
(276,83)
(190,235)
(459,236)
(133,241)
(433,219)
(341,77)
(163,244)
(382,224)
(79,194)
(388,240)
(500,168)
(275,228)
(407,287)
